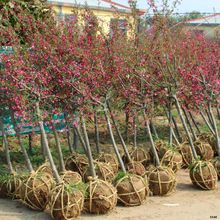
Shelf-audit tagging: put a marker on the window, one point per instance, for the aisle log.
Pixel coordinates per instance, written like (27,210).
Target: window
(118,25)
(69,18)
(198,32)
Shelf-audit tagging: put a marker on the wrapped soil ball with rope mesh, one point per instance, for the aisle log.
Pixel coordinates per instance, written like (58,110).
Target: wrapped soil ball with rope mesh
(45,168)
(10,185)
(34,192)
(209,138)
(172,159)
(66,201)
(216,164)
(162,181)
(148,170)
(136,167)
(203,175)
(77,163)
(132,189)
(161,147)
(101,197)
(111,159)
(139,155)
(186,152)
(204,150)
(104,172)
(69,177)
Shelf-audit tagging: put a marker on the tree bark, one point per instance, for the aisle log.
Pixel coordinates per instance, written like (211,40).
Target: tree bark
(47,149)
(6,148)
(113,141)
(89,152)
(185,127)
(58,148)
(23,149)
(157,160)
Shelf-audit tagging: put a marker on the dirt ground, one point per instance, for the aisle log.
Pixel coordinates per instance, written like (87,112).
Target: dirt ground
(187,203)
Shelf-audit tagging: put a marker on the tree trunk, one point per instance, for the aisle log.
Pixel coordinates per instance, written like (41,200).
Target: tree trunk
(135,131)
(170,123)
(153,129)
(97,140)
(207,122)
(209,118)
(157,160)
(68,136)
(185,127)
(194,122)
(119,134)
(190,125)
(58,148)
(90,158)
(6,148)
(23,149)
(176,129)
(30,149)
(215,128)
(113,141)
(126,126)
(47,149)
(76,129)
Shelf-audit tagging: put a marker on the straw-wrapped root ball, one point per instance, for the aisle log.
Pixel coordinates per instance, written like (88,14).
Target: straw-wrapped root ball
(35,190)
(203,175)
(101,197)
(186,152)
(161,147)
(204,150)
(216,164)
(9,185)
(132,189)
(209,138)
(104,172)
(69,177)
(135,167)
(138,155)
(172,159)
(162,181)
(110,159)
(66,201)
(77,163)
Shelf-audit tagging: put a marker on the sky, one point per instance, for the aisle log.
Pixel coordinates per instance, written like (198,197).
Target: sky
(204,6)
(209,6)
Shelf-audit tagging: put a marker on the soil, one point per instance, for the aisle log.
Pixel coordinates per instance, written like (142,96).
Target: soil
(186,203)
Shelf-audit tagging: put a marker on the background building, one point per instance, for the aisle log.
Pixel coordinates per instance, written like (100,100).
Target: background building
(209,26)
(108,12)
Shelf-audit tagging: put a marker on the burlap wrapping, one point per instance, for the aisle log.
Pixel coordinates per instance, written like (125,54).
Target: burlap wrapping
(111,159)
(172,159)
(162,181)
(203,175)
(101,198)
(132,190)
(65,202)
